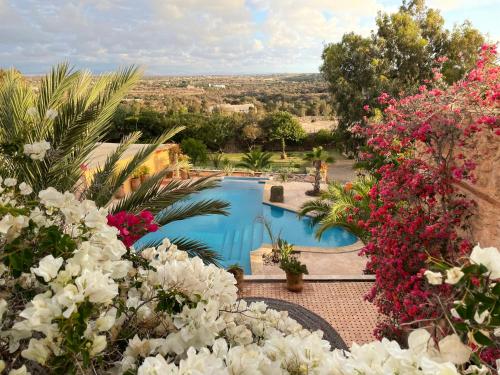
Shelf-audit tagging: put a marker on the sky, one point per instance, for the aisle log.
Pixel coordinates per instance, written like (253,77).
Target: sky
(188,37)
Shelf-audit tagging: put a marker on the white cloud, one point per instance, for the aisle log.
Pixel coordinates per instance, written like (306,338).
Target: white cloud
(180,36)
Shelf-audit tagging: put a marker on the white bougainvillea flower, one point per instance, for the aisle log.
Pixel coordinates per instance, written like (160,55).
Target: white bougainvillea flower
(9,182)
(20,371)
(452,349)
(434,278)
(37,351)
(419,341)
(156,365)
(25,189)
(106,320)
(99,343)
(481,317)
(12,226)
(50,197)
(99,288)
(36,150)
(475,370)
(51,114)
(453,275)
(488,257)
(3,308)
(48,267)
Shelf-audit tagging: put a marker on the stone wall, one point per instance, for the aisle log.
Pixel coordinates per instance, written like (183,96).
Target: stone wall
(486,191)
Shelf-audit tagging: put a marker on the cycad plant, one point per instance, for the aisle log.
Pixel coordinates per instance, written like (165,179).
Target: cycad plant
(71,110)
(341,205)
(255,160)
(317,156)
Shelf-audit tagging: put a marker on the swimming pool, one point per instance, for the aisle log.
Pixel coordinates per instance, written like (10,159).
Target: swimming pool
(236,235)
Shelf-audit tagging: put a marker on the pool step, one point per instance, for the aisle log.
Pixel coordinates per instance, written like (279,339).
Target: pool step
(237,244)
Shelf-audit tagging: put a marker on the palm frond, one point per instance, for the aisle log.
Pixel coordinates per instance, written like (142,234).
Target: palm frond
(192,247)
(337,203)
(154,197)
(118,179)
(103,175)
(199,208)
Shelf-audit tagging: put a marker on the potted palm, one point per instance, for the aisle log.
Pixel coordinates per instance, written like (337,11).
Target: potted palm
(237,272)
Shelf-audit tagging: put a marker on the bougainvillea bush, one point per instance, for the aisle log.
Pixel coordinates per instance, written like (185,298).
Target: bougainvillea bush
(73,300)
(131,227)
(417,211)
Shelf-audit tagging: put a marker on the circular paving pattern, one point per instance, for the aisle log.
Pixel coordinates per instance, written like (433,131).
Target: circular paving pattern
(306,318)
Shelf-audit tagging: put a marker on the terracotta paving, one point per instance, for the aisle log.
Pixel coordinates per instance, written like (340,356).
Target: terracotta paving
(340,303)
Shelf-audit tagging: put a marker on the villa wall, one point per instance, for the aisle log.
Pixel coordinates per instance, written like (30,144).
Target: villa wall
(159,160)
(486,191)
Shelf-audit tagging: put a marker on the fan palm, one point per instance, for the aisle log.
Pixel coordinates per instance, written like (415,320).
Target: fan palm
(317,156)
(72,111)
(341,205)
(255,160)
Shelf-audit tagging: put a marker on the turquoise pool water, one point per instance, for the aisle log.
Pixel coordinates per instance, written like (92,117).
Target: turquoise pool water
(234,236)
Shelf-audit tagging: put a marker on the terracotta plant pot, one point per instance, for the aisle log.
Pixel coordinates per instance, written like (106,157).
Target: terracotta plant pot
(294,282)
(238,275)
(135,183)
(120,193)
(144,177)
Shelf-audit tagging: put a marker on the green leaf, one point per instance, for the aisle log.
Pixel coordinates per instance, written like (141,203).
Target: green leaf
(482,339)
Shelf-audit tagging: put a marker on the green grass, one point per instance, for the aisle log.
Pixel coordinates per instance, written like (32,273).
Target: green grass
(295,159)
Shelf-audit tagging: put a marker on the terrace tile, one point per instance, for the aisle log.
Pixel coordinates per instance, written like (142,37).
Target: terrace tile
(340,303)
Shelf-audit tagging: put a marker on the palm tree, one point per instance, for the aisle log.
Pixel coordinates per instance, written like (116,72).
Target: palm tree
(317,156)
(72,111)
(255,160)
(341,205)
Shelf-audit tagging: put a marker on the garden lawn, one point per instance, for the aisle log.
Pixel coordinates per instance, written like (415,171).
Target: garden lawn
(295,159)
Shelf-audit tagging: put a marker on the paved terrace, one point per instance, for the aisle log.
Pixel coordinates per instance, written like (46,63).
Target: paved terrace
(340,303)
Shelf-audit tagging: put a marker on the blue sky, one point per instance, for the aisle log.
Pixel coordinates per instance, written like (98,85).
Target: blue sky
(198,36)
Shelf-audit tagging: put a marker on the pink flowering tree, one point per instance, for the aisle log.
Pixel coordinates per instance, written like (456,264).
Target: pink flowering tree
(417,210)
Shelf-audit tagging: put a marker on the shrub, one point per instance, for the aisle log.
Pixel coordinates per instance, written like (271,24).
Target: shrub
(195,149)
(417,212)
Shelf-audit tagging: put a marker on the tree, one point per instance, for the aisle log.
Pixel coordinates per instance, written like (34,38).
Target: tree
(255,160)
(284,127)
(317,156)
(402,54)
(355,75)
(195,149)
(73,114)
(217,131)
(251,132)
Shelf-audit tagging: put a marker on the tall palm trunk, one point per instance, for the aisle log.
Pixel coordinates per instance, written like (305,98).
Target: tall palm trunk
(317,177)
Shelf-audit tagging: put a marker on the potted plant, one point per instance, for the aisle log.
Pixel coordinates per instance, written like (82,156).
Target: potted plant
(145,173)
(120,193)
(294,270)
(135,179)
(237,272)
